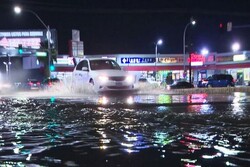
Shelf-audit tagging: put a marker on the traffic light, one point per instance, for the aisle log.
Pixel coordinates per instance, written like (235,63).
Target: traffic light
(225,27)
(52,66)
(20,48)
(222,28)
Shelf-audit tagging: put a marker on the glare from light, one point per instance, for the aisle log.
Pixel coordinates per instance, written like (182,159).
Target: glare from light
(130,100)
(17,9)
(28,157)
(159,42)
(236,47)
(228,151)
(204,51)
(103,79)
(103,100)
(193,22)
(103,147)
(130,79)
(129,145)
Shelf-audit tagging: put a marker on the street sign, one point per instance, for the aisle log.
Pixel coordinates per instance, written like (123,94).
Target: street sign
(41,54)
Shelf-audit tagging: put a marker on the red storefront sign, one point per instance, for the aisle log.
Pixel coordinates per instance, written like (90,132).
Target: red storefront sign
(196,59)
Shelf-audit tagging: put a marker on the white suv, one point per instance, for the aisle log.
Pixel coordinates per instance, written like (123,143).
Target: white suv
(103,75)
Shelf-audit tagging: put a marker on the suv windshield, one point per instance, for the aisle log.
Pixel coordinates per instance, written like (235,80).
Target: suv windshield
(104,65)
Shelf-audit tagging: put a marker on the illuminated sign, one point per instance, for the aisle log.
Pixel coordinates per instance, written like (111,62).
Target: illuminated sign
(26,42)
(196,59)
(168,60)
(137,60)
(224,58)
(22,34)
(241,57)
(64,61)
(41,54)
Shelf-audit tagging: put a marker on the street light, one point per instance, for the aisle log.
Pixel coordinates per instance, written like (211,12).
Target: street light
(192,22)
(18,10)
(235,47)
(204,51)
(159,42)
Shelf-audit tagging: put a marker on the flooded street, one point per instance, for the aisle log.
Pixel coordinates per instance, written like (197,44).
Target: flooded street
(135,130)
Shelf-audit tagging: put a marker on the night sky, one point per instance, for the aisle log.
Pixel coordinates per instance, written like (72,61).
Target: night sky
(130,26)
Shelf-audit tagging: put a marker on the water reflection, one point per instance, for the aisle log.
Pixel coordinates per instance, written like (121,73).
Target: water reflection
(111,132)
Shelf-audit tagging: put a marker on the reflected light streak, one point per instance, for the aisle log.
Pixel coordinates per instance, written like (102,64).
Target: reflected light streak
(237,109)
(211,156)
(189,160)
(131,138)
(127,145)
(105,141)
(130,151)
(103,100)
(130,100)
(190,165)
(228,151)
(163,138)
(28,157)
(103,147)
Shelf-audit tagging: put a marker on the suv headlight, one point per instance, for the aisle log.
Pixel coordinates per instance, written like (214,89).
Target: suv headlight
(103,79)
(130,79)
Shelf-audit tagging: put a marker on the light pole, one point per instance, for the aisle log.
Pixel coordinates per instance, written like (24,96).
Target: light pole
(192,22)
(159,42)
(18,10)
(7,66)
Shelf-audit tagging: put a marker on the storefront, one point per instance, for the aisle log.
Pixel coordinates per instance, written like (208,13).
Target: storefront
(201,66)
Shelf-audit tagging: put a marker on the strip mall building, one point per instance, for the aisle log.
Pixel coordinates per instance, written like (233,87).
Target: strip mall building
(201,66)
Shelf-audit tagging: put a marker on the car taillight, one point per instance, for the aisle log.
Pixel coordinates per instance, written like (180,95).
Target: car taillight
(38,83)
(30,83)
(49,83)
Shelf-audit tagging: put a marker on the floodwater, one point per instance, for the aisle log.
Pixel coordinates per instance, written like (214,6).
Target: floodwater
(137,130)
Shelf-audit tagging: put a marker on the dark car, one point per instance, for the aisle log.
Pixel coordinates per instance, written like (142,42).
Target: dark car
(50,82)
(32,84)
(180,85)
(221,80)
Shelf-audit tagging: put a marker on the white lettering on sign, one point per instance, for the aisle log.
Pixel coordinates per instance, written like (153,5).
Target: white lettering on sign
(22,34)
(36,33)
(124,60)
(26,42)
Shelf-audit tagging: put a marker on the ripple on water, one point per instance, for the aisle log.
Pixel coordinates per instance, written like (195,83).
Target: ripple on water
(45,132)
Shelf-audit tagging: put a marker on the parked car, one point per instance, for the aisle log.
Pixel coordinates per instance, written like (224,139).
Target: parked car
(148,81)
(103,74)
(180,85)
(32,84)
(202,83)
(50,82)
(221,80)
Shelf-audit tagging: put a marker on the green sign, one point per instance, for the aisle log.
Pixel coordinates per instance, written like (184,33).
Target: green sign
(41,54)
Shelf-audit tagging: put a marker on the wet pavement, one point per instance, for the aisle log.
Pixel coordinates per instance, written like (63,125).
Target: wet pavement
(135,130)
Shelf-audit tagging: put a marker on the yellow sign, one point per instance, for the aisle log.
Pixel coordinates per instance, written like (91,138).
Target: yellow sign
(239,57)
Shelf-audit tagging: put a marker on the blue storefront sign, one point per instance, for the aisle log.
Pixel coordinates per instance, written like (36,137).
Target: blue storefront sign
(137,60)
